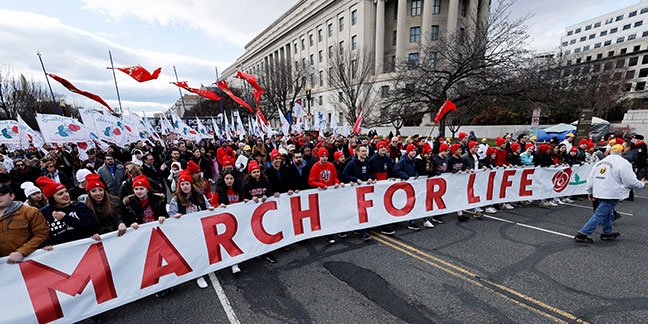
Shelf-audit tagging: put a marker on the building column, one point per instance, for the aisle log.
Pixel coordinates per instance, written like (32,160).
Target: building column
(484,12)
(380,37)
(401,33)
(426,27)
(453,13)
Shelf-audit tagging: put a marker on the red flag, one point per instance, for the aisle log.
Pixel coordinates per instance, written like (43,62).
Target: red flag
(250,79)
(356,126)
(72,88)
(257,100)
(223,86)
(140,74)
(204,93)
(447,106)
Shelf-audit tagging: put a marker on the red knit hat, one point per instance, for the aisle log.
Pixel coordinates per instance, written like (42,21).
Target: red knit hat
(253,165)
(274,154)
(93,181)
(185,175)
(381,144)
(443,147)
(583,141)
(544,148)
(515,147)
(462,135)
(454,147)
(490,151)
(227,160)
(500,141)
(141,181)
(619,141)
(49,186)
(426,148)
(573,149)
(526,147)
(472,144)
(337,155)
(589,146)
(410,148)
(320,152)
(192,167)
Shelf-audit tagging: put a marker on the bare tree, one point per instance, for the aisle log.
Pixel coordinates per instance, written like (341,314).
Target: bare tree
(350,74)
(283,83)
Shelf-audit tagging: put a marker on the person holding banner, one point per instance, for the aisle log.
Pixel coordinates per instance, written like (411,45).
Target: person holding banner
(228,191)
(144,206)
(68,221)
(255,186)
(106,208)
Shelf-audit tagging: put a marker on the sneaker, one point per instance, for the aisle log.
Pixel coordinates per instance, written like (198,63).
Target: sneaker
(163,293)
(491,210)
(428,224)
(507,206)
(331,241)
(388,232)
(366,237)
(560,202)
(567,200)
(545,204)
(552,203)
(478,210)
(414,227)
(202,283)
(342,235)
(236,269)
(610,237)
(438,219)
(478,214)
(582,238)
(616,215)
(463,218)
(270,258)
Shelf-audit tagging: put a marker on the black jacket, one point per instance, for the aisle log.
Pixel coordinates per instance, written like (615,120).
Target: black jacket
(78,223)
(108,223)
(133,208)
(297,181)
(279,179)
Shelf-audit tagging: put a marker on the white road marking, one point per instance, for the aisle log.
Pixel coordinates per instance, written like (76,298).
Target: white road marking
(642,197)
(528,226)
(587,207)
(227,307)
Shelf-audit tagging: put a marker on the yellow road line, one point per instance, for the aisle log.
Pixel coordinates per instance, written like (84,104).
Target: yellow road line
(472,278)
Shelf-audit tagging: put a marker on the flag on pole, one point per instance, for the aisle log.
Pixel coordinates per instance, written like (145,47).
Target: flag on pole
(345,130)
(201,92)
(251,80)
(334,124)
(298,109)
(202,130)
(140,74)
(9,133)
(227,131)
(149,127)
(72,88)
(257,100)
(61,129)
(217,130)
(446,107)
(239,124)
(223,86)
(165,126)
(356,126)
(184,131)
(28,135)
(104,127)
(285,126)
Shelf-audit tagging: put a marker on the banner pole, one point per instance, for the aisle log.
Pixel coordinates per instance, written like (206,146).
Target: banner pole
(48,83)
(219,94)
(181,97)
(112,67)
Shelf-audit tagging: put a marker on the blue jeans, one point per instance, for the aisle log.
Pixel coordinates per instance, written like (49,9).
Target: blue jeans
(603,215)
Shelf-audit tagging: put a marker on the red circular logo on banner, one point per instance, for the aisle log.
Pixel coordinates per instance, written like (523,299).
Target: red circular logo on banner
(561,179)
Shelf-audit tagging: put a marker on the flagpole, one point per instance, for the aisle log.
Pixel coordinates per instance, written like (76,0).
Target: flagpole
(48,83)
(121,111)
(181,98)
(219,92)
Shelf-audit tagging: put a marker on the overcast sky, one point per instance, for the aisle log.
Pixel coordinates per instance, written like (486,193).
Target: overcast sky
(74,37)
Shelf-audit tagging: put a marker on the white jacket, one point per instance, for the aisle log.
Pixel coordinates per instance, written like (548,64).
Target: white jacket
(612,178)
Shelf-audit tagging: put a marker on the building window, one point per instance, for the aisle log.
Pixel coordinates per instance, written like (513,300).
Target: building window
(384,91)
(578,30)
(433,59)
(330,30)
(321,78)
(632,14)
(641,86)
(303,43)
(643,73)
(592,36)
(312,60)
(394,38)
(603,33)
(644,10)
(341,47)
(636,48)
(631,37)
(415,34)
(609,21)
(598,24)
(569,33)
(312,79)
(320,35)
(341,24)
(462,36)
(354,17)
(321,56)
(354,42)
(435,32)
(567,52)
(614,30)
(354,69)
(572,42)
(340,96)
(303,63)
(630,74)
(598,57)
(597,45)
(330,52)
(607,42)
(436,7)
(644,34)
(565,43)
(577,50)
(330,72)
(296,65)
(295,47)
(584,38)
(620,63)
(586,48)
(416,8)
(620,40)
(320,100)
(412,61)
(464,7)
(588,27)
(618,18)
(393,64)
(626,27)
(628,87)
(638,23)
(310,40)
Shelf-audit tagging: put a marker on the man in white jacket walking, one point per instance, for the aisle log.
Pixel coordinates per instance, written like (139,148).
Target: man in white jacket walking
(611,180)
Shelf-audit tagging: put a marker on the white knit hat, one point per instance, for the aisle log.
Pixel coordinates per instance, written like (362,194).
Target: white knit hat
(29,188)
(81,174)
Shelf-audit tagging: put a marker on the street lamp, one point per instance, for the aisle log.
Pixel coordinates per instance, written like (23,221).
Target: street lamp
(308,90)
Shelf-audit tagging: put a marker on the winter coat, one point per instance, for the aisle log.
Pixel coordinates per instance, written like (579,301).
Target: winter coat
(405,168)
(106,223)
(612,178)
(112,182)
(356,170)
(381,166)
(134,212)
(23,229)
(78,223)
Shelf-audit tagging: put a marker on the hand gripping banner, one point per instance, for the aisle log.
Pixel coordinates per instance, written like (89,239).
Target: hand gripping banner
(82,278)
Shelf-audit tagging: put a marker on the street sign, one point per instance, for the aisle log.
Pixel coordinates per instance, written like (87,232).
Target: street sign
(584,124)
(535,121)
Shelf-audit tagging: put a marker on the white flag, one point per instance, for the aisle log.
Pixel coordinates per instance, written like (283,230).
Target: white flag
(165,126)
(298,111)
(9,134)
(28,135)
(345,130)
(217,130)
(202,130)
(285,126)
(149,127)
(334,125)
(239,125)
(321,120)
(61,129)
(104,127)
(184,131)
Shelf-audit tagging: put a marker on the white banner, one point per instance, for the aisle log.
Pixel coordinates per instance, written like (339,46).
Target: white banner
(184,131)
(9,133)
(107,127)
(83,278)
(61,129)
(28,135)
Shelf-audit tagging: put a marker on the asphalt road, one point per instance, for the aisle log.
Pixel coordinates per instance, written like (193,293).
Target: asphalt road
(481,271)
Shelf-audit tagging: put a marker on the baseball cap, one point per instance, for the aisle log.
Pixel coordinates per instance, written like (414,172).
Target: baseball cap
(5,189)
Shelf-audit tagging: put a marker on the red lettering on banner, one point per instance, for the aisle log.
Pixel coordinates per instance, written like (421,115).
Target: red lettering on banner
(362,203)
(389,195)
(42,282)
(312,212)
(506,182)
(472,199)
(257,224)
(214,240)
(491,184)
(435,196)
(525,182)
(161,249)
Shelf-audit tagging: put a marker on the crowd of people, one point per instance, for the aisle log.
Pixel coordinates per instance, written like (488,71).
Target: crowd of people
(55,197)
